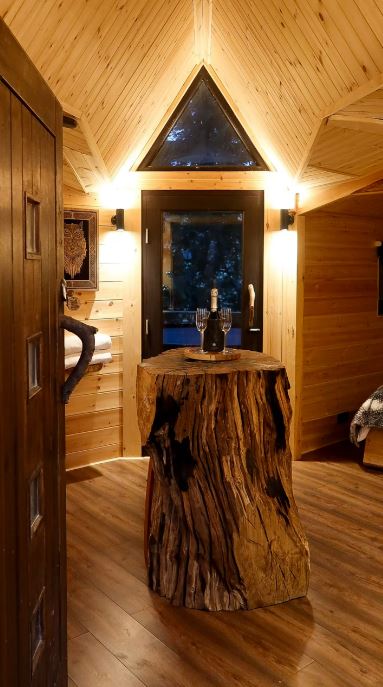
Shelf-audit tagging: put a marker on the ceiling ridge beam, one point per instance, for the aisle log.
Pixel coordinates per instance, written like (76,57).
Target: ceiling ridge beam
(336,192)
(203,14)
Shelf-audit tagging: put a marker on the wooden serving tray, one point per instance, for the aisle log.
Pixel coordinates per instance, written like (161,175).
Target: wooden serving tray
(194,354)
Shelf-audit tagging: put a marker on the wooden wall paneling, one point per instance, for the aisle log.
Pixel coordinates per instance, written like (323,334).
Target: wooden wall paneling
(296,424)
(342,337)
(75,424)
(323,432)
(91,403)
(100,454)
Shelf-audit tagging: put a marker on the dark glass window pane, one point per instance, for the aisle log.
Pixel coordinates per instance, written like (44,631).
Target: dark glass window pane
(200,248)
(37,631)
(203,137)
(32,227)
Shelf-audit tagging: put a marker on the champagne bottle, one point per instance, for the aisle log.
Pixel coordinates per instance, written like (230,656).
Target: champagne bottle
(213,340)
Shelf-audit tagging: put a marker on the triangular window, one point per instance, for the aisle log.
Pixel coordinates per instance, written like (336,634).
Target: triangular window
(203,133)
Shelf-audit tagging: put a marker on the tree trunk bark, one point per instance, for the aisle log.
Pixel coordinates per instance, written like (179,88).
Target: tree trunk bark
(224,531)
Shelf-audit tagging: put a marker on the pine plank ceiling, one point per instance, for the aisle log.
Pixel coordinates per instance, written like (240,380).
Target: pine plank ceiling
(304,76)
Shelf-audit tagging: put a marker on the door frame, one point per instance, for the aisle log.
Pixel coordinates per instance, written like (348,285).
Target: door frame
(153,204)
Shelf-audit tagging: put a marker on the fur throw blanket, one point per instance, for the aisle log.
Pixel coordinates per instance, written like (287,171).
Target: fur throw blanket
(370,414)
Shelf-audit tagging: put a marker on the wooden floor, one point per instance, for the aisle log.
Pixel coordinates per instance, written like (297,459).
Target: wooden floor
(121,635)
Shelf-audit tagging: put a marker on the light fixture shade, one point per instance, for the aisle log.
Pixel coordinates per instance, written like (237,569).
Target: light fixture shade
(287,218)
(119,220)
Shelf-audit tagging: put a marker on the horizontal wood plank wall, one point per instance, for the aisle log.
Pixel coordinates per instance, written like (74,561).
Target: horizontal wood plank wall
(342,337)
(94,417)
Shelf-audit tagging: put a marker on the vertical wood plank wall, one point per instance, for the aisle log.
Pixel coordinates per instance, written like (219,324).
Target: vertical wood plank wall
(101,415)
(342,335)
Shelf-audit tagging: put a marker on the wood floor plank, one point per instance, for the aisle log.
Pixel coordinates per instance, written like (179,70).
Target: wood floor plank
(315,675)
(109,577)
(332,638)
(137,648)
(221,643)
(74,627)
(91,665)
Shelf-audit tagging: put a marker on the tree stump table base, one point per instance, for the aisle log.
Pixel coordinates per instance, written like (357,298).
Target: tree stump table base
(224,531)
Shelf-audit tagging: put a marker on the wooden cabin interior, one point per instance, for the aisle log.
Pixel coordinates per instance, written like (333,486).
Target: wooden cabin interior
(95,96)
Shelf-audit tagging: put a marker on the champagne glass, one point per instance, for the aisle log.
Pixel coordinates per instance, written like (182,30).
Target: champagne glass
(201,318)
(225,319)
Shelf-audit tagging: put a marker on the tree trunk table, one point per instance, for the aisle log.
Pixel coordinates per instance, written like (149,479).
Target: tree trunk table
(223,531)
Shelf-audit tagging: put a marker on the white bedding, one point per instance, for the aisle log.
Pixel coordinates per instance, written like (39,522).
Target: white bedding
(98,357)
(73,344)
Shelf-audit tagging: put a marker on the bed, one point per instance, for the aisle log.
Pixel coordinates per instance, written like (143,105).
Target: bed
(367,425)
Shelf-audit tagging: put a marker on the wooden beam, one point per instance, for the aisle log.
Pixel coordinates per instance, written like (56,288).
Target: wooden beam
(98,159)
(371,125)
(203,11)
(362,92)
(70,110)
(68,158)
(317,131)
(330,195)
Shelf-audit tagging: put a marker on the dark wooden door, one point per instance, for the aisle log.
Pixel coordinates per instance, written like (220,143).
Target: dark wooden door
(233,219)
(32,478)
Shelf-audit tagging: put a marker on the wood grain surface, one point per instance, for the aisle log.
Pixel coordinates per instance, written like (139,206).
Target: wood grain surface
(223,528)
(332,638)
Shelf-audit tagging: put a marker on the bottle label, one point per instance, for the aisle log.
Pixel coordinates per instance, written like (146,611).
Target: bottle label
(214,299)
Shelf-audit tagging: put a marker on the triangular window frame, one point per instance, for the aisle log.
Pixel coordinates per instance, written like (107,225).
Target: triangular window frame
(203,75)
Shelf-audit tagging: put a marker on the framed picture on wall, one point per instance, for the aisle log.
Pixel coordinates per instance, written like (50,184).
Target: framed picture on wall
(80,249)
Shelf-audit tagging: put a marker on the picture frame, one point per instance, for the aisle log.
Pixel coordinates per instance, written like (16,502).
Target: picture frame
(81,249)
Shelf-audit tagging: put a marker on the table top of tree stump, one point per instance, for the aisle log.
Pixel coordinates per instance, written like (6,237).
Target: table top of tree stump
(174,362)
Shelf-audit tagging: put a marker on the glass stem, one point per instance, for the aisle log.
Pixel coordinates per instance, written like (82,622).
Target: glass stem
(201,348)
(224,342)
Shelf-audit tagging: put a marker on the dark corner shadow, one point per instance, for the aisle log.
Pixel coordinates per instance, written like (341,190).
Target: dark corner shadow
(82,475)
(342,452)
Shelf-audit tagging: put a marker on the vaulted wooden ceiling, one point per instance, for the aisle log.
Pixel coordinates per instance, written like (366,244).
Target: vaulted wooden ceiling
(304,76)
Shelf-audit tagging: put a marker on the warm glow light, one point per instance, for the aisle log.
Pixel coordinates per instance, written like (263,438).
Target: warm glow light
(118,194)
(283,251)
(119,247)
(281,192)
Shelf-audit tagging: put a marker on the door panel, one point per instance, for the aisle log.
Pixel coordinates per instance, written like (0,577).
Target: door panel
(31,472)
(191,239)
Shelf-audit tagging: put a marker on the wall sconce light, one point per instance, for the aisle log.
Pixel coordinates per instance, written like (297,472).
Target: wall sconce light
(118,220)
(287,218)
